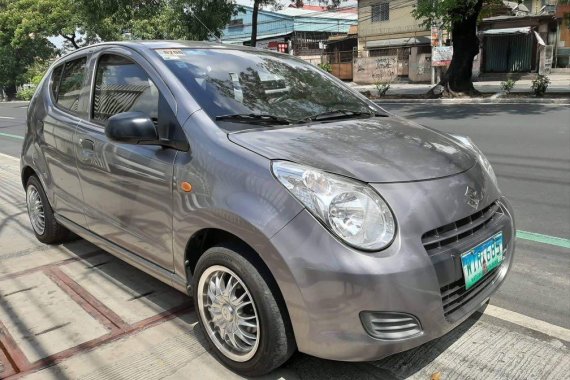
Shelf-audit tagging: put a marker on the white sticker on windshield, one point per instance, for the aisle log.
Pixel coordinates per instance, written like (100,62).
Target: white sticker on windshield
(238,92)
(170,53)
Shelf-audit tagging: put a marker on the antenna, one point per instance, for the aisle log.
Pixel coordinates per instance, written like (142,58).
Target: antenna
(191,12)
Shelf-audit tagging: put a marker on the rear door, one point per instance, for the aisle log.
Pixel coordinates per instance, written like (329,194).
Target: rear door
(64,108)
(127,189)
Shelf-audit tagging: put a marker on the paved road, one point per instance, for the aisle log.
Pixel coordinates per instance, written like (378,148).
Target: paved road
(12,127)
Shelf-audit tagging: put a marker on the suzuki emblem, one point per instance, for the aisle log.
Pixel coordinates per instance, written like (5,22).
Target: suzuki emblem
(473,197)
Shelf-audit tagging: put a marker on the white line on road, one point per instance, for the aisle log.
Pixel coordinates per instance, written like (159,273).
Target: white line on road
(7,117)
(528,322)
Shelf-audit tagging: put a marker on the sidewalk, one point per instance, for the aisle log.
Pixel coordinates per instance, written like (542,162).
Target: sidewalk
(559,84)
(74,311)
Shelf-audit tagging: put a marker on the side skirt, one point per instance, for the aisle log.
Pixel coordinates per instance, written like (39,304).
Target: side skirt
(129,257)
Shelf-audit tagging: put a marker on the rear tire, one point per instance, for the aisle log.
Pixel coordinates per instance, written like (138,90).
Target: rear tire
(42,219)
(225,280)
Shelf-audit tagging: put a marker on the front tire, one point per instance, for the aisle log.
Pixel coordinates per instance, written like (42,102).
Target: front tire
(44,225)
(240,313)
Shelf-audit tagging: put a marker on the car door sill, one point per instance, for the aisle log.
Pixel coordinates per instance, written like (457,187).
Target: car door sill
(129,257)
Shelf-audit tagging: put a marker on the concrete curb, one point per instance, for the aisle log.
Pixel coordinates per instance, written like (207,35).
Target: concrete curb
(560,101)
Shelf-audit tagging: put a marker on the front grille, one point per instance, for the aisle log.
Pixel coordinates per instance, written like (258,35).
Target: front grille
(454,296)
(390,325)
(454,232)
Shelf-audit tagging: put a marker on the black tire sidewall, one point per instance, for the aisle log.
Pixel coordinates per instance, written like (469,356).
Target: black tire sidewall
(276,344)
(53,232)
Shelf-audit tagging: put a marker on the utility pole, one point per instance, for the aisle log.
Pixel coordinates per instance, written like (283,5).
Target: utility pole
(434,41)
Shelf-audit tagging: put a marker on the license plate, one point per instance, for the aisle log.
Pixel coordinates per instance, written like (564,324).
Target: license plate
(482,259)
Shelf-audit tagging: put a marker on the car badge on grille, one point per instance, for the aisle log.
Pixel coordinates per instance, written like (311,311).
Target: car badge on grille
(473,197)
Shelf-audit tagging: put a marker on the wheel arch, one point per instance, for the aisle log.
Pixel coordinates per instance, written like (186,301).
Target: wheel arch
(207,238)
(26,173)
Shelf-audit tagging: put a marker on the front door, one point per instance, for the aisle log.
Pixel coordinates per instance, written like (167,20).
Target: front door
(127,189)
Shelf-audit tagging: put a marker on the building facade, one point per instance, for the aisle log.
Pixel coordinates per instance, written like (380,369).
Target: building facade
(296,31)
(391,43)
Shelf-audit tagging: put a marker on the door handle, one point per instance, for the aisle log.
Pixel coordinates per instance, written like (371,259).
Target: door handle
(87,144)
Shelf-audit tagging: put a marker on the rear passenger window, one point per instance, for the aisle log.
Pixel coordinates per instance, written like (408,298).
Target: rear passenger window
(121,85)
(71,83)
(55,79)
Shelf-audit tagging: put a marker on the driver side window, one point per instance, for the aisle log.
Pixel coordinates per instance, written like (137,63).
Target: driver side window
(121,85)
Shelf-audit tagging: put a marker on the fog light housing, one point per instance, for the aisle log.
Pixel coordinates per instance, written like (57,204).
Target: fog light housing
(390,325)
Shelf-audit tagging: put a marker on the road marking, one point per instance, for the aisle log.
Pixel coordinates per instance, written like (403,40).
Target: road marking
(11,136)
(7,117)
(470,104)
(528,322)
(545,239)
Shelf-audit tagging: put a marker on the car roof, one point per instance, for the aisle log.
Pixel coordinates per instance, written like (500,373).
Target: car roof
(144,46)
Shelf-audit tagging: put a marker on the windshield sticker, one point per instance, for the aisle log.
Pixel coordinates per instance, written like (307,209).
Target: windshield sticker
(238,92)
(170,53)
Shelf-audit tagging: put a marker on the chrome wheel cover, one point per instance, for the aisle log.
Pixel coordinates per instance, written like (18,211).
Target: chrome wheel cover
(228,313)
(36,210)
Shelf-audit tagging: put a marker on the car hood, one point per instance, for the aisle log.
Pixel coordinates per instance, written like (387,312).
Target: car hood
(383,149)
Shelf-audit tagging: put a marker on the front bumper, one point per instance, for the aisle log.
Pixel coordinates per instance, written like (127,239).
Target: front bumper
(335,284)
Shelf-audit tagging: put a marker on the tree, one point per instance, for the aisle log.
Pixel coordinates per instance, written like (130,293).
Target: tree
(18,50)
(158,19)
(256,5)
(460,17)
(82,22)
(25,26)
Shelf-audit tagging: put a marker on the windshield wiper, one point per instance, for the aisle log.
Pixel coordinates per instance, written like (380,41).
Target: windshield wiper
(255,118)
(340,114)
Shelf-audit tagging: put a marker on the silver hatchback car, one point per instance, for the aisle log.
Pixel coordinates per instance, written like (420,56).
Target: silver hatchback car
(297,213)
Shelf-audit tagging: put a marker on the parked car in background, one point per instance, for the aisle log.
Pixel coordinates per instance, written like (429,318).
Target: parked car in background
(298,214)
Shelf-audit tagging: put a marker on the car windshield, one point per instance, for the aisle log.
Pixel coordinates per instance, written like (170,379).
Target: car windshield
(236,84)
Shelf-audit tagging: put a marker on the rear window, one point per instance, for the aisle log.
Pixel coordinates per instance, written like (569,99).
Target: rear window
(55,80)
(71,84)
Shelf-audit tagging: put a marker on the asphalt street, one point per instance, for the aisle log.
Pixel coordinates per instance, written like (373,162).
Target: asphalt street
(529,147)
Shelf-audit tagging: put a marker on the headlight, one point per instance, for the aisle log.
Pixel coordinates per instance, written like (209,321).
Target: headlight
(466,141)
(351,210)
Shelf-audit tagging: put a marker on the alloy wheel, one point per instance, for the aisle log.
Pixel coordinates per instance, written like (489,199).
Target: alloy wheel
(35,210)
(228,313)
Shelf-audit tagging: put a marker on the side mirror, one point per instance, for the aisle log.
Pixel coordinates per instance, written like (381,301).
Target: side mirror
(132,128)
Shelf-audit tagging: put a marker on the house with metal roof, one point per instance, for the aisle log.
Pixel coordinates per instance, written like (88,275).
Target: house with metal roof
(297,31)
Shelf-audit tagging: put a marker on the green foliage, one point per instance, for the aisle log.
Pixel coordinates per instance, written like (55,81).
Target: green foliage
(444,12)
(18,49)
(539,85)
(382,87)
(326,67)
(25,26)
(508,85)
(25,94)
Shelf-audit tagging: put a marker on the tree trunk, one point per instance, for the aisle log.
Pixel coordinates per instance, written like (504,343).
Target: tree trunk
(10,91)
(254,23)
(457,80)
(70,39)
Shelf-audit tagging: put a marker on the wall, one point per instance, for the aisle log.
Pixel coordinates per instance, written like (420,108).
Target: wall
(420,67)
(401,24)
(369,70)
(314,59)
